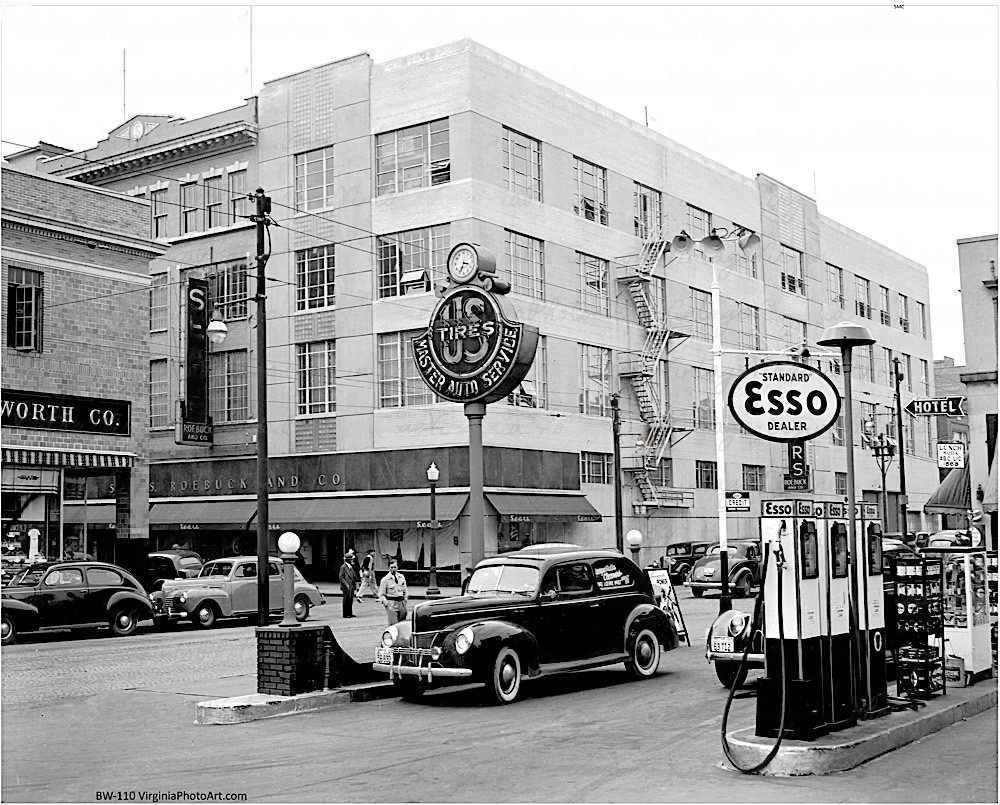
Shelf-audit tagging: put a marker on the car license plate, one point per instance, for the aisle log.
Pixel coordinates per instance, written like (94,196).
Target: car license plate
(383,655)
(722,644)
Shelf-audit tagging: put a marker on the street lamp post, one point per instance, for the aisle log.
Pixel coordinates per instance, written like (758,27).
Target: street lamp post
(433,473)
(634,540)
(616,431)
(288,545)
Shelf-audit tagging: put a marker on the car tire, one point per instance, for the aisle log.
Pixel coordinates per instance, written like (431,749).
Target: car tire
(682,573)
(409,688)
(302,607)
(8,630)
(741,587)
(697,592)
(504,682)
(731,674)
(124,622)
(205,616)
(643,655)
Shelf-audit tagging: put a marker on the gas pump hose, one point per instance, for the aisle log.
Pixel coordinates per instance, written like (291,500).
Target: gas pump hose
(727,751)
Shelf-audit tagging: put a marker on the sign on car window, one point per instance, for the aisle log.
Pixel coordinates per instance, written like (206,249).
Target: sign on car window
(612,576)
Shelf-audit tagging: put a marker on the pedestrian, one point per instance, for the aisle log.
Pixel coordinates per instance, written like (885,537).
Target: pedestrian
(367,575)
(348,581)
(392,593)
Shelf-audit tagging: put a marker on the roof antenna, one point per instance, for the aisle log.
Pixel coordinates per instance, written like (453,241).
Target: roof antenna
(124,116)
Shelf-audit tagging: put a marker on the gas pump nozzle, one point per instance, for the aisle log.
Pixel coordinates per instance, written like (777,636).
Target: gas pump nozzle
(779,556)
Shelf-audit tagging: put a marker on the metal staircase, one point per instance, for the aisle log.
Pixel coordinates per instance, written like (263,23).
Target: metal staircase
(641,369)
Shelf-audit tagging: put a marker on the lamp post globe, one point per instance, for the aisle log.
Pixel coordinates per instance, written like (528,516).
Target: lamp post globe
(634,541)
(288,545)
(217,329)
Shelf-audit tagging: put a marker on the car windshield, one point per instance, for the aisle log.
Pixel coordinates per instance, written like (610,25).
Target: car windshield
(504,579)
(216,569)
(732,550)
(189,561)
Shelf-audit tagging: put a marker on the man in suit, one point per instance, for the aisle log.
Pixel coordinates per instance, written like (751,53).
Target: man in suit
(348,584)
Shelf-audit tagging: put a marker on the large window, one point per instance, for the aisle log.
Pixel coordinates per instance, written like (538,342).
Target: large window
(595,380)
(792,273)
(158,302)
(533,391)
(663,474)
(754,477)
(595,294)
(591,191)
(215,208)
(840,484)
(315,278)
(314,179)
(835,282)
(417,156)
(227,288)
(596,468)
(159,394)
(794,332)
(907,367)
(921,318)
(317,377)
(699,225)
(749,326)
(837,431)
(701,313)
(904,313)
(706,475)
(522,162)
(885,368)
(158,209)
(24,309)
(862,297)
(703,399)
(399,383)
(746,262)
(864,363)
(646,209)
(525,264)
(239,204)
(925,378)
(883,306)
(227,386)
(189,207)
(409,261)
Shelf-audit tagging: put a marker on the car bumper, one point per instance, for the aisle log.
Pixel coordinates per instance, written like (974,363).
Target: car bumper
(705,585)
(426,672)
(753,660)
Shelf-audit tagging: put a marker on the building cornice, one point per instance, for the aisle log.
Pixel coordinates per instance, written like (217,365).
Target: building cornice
(979,377)
(93,269)
(94,239)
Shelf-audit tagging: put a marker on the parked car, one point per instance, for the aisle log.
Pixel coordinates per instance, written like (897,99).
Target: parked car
(227,588)
(949,538)
(744,570)
(679,557)
(171,563)
(73,595)
(526,614)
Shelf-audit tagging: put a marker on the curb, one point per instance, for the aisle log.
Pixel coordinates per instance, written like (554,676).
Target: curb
(256,706)
(859,744)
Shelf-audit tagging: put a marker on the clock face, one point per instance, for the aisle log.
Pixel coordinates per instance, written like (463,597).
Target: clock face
(463,263)
(136,130)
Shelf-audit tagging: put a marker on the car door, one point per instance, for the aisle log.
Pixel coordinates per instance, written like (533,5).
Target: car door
(567,619)
(102,583)
(243,587)
(618,594)
(62,597)
(276,598)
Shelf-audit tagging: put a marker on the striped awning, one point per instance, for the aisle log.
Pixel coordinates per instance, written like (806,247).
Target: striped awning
(35,457)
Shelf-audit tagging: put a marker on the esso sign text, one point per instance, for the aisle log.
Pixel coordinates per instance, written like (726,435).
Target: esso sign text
(783,401)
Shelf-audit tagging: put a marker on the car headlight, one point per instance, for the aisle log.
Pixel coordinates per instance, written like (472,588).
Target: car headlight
(182,597)
(389,636)
(435,652)
(737,623)
(463,640)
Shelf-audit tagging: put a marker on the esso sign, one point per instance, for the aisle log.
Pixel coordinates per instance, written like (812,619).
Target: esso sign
(783,401)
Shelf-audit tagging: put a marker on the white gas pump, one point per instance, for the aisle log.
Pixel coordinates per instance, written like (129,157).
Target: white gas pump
(835,584)
(871,610)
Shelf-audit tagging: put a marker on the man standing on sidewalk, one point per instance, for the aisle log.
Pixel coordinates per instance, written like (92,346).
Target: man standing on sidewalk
(392,593)
(348,583)
(367,576)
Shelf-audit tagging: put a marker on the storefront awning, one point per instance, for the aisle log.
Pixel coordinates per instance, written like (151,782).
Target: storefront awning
(952,496)
(66,458)
(518,507)
(372,511)
(215,515)
(990,488)
(94,513)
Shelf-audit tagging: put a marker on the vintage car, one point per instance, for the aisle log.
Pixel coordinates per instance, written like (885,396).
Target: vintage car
(227,588)
(170,563)
(73,595)
(744,570)
(543,609)
(680,556)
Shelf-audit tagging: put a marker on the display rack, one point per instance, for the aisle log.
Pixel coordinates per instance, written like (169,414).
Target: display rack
(919,606)
(991,581)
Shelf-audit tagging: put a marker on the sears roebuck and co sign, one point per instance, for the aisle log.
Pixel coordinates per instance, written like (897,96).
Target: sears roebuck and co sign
(30,409)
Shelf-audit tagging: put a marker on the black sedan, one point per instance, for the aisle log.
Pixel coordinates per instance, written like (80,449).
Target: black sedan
(744,570)
(73,595)
(533,612)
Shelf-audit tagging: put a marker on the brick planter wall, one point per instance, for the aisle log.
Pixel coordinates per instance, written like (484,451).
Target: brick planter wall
(289,660)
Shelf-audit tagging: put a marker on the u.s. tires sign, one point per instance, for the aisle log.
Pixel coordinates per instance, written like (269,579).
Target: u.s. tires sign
(783,401)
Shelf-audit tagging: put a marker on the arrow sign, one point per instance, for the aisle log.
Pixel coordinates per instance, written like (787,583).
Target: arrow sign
(936,406)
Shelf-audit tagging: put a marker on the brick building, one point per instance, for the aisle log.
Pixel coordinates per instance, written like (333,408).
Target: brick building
(375,170)
(75,313)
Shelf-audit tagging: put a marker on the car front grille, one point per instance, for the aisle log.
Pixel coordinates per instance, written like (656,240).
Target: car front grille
(412,653)
(423,639)
(172,605)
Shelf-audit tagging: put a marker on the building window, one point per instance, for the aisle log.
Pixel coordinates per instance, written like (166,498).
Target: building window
(909,425)
(189,207)
(522,162)
(835,367)
(314,179)
(214,207)
(701,313)
(746,263)
(837,431)
(227,386)
(835,281)
(792,277)
(596,468)
(158,209)
(227,288)
(158,302)
(399,383)
(922,318)
(883,370)
(533,391)
(703,403)
(883,305)
(591,191)
(862,297)
(749,326)
(931,436)
(595,295)
(864,363)
(705,475)
(869,421)
(417,156)
(315,278)
(908,370)
(925,378)
(409,261)
(754,477)
(595,380)
(794,332)
(646,210)
(525,264)
(239,204)
(662,475)
(317,377)
(159,394)
(904,313)
(24,309)
(840,484)
(699,226)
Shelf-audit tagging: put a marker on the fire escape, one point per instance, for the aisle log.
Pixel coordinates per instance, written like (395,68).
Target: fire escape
(643,370)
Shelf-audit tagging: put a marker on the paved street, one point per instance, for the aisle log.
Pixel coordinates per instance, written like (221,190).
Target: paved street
(87,714)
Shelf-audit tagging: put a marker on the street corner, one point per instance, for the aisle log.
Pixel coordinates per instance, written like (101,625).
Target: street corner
(257,706)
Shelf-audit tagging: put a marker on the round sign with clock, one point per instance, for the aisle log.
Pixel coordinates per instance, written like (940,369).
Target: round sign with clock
(466,262)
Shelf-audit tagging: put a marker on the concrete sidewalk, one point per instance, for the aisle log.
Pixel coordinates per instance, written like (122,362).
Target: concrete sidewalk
(331,589)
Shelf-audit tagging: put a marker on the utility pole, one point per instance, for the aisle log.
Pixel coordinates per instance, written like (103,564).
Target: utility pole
(616,430)
(884,450)
(898,376)
(263,583)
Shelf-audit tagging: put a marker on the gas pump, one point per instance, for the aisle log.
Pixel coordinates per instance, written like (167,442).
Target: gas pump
(871,611)
(836,590)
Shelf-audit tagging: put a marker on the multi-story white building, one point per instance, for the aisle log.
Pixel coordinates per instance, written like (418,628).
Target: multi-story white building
(375,170)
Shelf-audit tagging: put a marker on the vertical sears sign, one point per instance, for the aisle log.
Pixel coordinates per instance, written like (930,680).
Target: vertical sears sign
(194,426)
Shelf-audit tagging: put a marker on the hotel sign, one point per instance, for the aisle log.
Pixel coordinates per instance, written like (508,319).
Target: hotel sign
(29,409)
